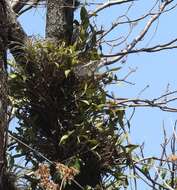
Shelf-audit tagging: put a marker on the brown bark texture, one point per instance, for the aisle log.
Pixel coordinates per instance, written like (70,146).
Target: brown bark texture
(3,88)
(16,35)
(59,23)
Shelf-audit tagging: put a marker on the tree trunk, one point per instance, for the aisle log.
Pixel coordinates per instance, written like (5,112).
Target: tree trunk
(3,117)
(3,90)
(59,24)
(59,27)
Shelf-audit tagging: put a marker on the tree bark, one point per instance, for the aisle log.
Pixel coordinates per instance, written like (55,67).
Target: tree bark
(13,37)
(59,22)
(3,89)
(16,35)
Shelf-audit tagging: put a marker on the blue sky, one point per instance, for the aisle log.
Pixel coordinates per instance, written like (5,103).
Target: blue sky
(156,70)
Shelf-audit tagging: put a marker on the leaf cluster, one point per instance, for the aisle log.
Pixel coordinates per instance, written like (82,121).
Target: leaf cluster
(65,118)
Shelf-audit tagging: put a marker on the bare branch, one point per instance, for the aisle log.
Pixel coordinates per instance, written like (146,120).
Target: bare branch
(137,102)
(156,48)
(18,5)
(109,4)
(21,6)
(135,41)
(149,178)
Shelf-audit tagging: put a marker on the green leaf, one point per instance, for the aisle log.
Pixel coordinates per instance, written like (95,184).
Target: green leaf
(86,102)
(94,147)
(120,115)
(67,73)
(83,13)
(93,142)
(76,164)
(57,65)
(12,75)
(163,174)
(114,69)
(85,87)
(84,18)
(11,161)
(65,137)
(145,169)
(99,126)
(131,147)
